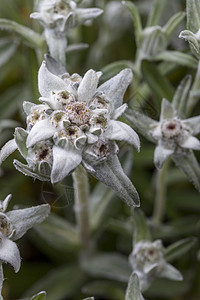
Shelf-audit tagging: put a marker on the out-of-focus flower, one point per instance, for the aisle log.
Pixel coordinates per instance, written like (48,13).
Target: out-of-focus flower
(13,225)
(148,262)
(76,123)
(173,134)
(57,17)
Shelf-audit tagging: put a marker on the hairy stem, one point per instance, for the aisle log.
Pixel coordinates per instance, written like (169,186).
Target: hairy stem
(81,187)
(57,45)
(160,199)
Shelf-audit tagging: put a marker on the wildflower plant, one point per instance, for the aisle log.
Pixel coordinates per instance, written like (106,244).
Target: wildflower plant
(174,136)
(13,225)
(77,130)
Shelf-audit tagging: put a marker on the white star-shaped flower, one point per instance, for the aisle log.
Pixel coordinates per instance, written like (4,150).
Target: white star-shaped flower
(147,260)
(173,134)
(13,225)
(76,123)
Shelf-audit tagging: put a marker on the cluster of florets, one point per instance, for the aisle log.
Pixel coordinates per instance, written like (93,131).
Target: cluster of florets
(76,123)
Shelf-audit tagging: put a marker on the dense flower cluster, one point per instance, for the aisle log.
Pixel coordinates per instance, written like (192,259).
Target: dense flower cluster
(76,123)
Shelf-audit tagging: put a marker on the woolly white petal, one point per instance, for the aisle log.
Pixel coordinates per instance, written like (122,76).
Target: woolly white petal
(42,130)
(171,273)
(119,111)
(191,143)
(9,253)
(5,202)
(111,173)
(160,155)
(23,219)
(194,124)
(88,86)
(7,149)
(167,110)
(64,161)
(122,132)
(48,82)
(115,88)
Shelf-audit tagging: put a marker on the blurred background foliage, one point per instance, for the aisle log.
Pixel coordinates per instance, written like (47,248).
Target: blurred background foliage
(50,252)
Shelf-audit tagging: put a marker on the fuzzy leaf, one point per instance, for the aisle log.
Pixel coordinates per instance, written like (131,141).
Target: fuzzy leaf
(167,110)
(140,122)
(190,166)
(88,86)
(48,82)
(86,14)
(112,69)
(154,42)
(7,149)
(111,173)
(42,130)
(60,283)
(173,22)
(194,124)
(133,289)
(120,131)
(9,253)
(115,88)
(160,155)
(101,201)
(177,57)
(190,37)
(64,161)
(141,230)
(171,273)
(20,139)
(24,219)
(26,170)
(179,248)
(162,88)
(8,47)
(136,19)
(28,35)
(108,265)
(193,15)
(64,233)
(155,12)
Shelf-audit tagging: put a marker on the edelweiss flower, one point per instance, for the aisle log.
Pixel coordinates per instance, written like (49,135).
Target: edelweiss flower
(76,124)
(63,14)
(147,260)
(13,225)
(174,136)
(57,17)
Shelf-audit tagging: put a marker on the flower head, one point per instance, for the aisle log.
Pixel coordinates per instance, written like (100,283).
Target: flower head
(13,225)
(76,123)
(174,135)
(57,17)
(147,260)
(63,14)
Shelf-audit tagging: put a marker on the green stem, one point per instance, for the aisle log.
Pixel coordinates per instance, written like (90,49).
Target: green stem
(81,187)
(1,280)
(160,200)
